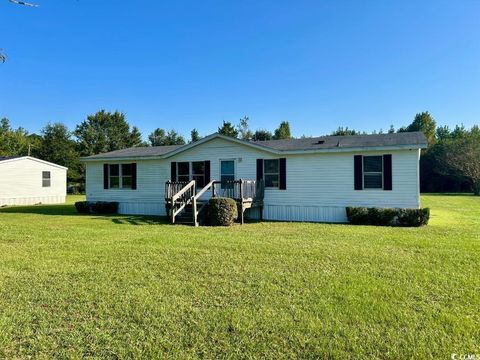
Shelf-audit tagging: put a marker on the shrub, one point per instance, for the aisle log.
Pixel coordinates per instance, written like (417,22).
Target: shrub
(388,217)
(97,207)
(222,211)
(413,217)
(82,207)
(104,207)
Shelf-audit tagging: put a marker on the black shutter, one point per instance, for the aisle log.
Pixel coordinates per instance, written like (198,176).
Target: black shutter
(207,171)
(358,172)
(387,172)
(105,176)
(173,171)
(259,169)
(134,176)
(283,174)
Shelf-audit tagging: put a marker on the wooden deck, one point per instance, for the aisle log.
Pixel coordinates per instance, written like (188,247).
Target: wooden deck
(183,199)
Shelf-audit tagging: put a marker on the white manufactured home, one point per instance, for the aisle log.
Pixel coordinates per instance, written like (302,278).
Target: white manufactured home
(308,179)
(27,181)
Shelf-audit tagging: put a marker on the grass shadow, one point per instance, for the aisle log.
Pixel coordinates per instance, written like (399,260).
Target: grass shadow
(62,209)
(138,220)
(69,210)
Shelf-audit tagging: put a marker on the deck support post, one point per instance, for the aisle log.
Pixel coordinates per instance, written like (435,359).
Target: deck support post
(194,208)
(241,202)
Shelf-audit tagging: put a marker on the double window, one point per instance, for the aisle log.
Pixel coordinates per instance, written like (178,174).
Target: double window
(120,176)
(46,179)
(271,173)
(373,172)
(195,170)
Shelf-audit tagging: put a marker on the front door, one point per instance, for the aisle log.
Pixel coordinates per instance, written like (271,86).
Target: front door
(227,172)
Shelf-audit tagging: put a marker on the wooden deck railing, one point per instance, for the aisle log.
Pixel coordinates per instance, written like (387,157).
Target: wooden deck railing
(249,190)
(181,199)
(178,194)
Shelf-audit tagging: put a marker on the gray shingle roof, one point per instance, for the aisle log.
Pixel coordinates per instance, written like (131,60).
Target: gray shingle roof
(134,152)
(353,141)
(414,139)
(3,158)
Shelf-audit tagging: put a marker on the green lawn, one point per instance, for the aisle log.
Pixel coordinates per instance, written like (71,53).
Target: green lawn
(115,287)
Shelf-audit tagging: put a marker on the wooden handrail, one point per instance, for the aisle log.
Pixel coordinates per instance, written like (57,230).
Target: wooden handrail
(205,188)
(183,191)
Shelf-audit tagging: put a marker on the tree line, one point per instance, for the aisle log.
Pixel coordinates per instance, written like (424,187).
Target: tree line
(451,163)
(103,132)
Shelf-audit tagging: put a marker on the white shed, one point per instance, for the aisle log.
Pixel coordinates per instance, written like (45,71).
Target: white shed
(310,179)
(27,180)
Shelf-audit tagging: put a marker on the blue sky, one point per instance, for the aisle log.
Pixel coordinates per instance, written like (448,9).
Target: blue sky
(184,64)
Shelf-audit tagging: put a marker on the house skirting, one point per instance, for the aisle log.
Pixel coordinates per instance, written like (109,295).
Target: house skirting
(335,214)
(32,200)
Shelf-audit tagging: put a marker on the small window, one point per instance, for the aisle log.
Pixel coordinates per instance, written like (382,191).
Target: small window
(198,173)
(183,171)
(227,173)
(271,173)
(127,176)
(373,172)
(114,176)
(46,179)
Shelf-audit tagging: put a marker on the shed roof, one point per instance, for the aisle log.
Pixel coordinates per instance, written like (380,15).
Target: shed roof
(17,158)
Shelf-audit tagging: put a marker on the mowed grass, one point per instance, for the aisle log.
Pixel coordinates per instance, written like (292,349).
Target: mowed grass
(76,286)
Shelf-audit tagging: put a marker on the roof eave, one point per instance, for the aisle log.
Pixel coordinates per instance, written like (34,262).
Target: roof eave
(271,150)
(35,159)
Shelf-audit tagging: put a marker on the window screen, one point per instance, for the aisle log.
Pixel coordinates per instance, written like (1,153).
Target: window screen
(271,173)
(373,172)
(46,179)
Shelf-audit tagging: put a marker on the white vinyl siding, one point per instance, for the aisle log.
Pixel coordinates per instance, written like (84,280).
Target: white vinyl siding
(319,186)
(26,181)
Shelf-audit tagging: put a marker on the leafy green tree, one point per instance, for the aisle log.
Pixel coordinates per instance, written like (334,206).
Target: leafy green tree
(106,131)
(58,146)
(425,123)
(463,155)
(13,142)
(157,137)
(228,129)
(262,135)
(161,138)
(244,131)
(341,131)
(194,135)
(283,131)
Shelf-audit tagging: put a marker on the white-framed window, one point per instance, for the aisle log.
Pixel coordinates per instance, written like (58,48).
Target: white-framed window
(227,172)
(271,173)
(127,176)
(120,176)
(46,179)
(195,170)
(373,172)
(114,176)
(198,173)
(183,171)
